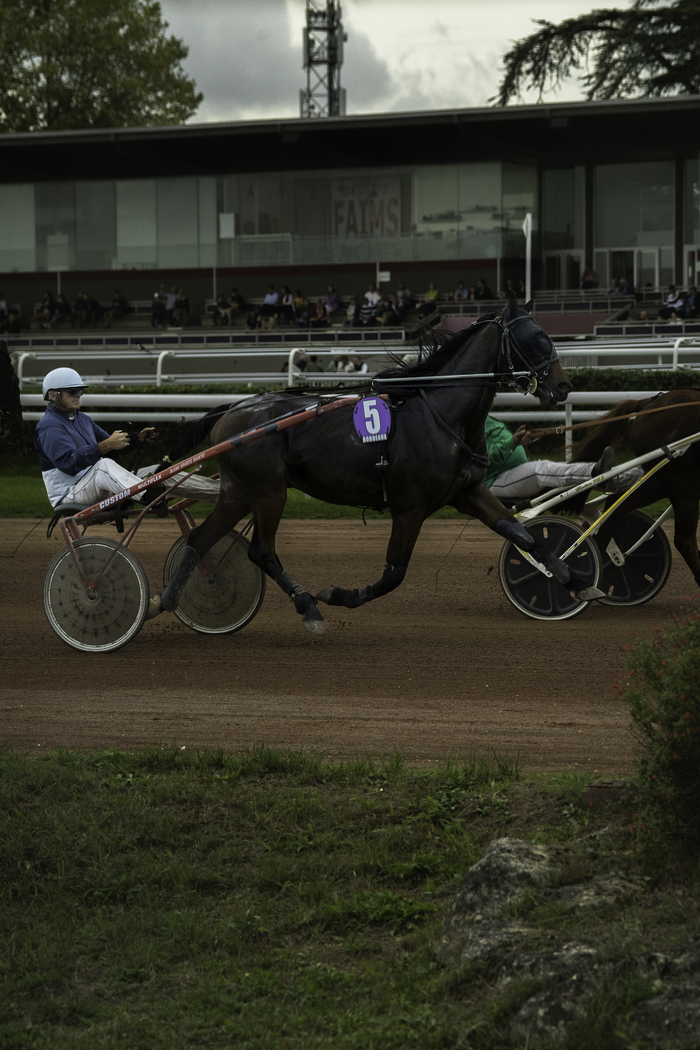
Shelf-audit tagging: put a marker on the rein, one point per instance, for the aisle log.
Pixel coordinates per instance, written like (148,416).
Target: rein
(477,457)
(596,422)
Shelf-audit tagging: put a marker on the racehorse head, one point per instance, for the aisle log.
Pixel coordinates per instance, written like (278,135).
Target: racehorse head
(10,403)
(525,347)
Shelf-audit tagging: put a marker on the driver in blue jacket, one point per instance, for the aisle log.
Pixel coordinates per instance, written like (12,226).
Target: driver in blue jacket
(73,448)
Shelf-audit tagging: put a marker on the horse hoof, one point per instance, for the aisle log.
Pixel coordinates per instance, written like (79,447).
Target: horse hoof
(590,594)
(317,627)
(155,608)
(325,595)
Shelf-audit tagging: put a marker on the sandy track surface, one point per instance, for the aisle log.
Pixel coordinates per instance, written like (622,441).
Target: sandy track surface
(442,667)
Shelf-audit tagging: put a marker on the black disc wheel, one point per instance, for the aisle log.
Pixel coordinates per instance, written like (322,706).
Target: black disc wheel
(107,613)
(223,597)
(536,595)
(645,571)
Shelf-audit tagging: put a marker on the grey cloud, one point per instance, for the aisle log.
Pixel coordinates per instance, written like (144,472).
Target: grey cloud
(240,57)
(364,75)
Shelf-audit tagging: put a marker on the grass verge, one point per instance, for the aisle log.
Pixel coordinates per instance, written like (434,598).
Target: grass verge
(174,899)
(24,496)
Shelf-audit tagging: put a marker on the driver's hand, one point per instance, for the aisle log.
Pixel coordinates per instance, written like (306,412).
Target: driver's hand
(119,439)
(523,437)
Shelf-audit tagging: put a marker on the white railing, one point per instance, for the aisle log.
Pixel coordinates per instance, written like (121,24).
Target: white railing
(666,353)
(591,352)
(157,361)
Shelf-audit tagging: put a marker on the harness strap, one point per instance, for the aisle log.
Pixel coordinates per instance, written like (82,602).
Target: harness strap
(481,461)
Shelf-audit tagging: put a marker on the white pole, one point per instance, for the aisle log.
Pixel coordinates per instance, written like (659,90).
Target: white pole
(214,283)
(527,230)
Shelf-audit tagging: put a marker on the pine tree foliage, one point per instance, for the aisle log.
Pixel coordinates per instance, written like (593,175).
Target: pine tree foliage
(90,64)
(650,49)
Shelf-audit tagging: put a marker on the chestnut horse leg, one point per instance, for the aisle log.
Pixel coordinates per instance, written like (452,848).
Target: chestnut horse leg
(405,530)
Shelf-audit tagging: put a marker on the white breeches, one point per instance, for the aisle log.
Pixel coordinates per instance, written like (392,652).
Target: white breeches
(530,478)
(193,487)
(106,478)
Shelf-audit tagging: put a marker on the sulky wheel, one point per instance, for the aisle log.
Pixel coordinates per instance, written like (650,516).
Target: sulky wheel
(540,596)
(645,570)
(103,618)
(224,598)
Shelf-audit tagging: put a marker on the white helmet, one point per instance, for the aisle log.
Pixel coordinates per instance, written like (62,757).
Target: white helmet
(60,379)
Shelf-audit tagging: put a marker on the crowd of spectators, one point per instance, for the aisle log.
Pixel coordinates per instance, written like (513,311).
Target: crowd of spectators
(310,364)
(9,318)
(375,308)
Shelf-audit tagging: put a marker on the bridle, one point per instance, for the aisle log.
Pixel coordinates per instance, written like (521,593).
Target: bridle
(510,347)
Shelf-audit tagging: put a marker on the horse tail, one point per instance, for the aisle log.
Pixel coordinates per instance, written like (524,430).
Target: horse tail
(611,430)
(196,431)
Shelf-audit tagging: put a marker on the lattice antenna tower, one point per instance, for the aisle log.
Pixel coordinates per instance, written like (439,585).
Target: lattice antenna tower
(323,57)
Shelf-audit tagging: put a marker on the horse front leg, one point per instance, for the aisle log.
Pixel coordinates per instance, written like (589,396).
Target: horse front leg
(404,533)
(480,502)
(268,513)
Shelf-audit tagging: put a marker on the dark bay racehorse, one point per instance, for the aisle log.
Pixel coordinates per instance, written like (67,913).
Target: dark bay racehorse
(678,481)
(435,457)
(10,404)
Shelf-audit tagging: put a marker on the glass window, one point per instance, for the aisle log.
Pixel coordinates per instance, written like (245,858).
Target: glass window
(207,221)
(519,197)
(634,205)
(563,200)
(95,225)
(55,225)
(136,224)
(176,209)
(17,229)
(692,202)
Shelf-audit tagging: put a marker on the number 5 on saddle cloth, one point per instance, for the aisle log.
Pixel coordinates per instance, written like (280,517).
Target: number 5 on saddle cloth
(372,419)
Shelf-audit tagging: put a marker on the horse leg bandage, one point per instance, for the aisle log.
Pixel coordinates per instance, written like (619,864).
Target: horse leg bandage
(304,603)
(516,533)
(391,578)
(170,597)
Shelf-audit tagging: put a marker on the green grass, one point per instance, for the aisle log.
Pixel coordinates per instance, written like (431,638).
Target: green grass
(22,495)
(25,497)
(170,899)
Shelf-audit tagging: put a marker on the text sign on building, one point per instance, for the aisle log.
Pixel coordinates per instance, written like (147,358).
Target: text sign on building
(365,207)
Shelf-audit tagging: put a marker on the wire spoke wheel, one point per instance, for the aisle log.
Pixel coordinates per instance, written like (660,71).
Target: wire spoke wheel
(645,571)
(226,595)
(542,597)
(96,619)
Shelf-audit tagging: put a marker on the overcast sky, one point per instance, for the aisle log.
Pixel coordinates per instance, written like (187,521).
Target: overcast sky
(246,56)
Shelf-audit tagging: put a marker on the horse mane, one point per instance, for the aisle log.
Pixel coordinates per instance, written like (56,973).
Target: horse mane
(435,348)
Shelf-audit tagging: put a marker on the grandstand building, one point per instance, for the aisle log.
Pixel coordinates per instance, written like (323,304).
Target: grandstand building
(435,196)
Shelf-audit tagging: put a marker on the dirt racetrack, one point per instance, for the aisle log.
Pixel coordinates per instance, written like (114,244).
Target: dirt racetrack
(441,667)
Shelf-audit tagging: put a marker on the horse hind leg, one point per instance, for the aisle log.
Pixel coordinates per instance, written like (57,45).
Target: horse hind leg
(262,553)
(222,519)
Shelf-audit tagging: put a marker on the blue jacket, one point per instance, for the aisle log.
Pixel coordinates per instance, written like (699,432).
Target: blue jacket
(67,448)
